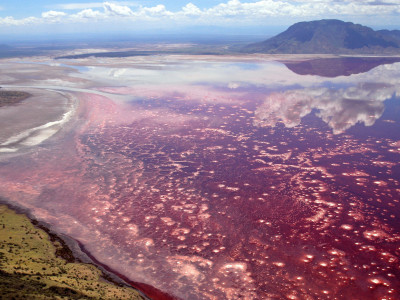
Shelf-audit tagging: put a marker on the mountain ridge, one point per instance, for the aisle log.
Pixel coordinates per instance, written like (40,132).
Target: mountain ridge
(329,36)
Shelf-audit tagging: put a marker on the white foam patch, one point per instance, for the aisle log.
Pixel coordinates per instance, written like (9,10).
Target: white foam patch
(235,266)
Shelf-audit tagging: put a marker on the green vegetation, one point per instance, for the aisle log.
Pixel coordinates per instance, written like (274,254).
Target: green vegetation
(12,97)
(31,268)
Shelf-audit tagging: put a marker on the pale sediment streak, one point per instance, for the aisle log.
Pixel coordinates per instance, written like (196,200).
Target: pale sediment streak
(37,135)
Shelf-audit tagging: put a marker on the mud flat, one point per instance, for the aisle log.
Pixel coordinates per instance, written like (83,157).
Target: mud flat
(35,119)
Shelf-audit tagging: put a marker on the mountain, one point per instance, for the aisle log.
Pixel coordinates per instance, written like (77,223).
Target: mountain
(330,37)
(394,34)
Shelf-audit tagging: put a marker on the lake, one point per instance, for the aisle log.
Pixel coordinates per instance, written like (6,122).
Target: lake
(223,177)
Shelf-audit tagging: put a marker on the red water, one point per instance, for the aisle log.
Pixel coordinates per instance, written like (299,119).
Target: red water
(211,201)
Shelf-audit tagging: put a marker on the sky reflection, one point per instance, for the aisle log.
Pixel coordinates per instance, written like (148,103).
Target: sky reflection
(210,180)
(341,102)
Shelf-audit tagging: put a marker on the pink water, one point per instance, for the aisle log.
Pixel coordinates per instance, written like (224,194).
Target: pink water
(284,194)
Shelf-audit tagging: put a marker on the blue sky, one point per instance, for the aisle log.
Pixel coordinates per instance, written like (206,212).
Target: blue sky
(60,16)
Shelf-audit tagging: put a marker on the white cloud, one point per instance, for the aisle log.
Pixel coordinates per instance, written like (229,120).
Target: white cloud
(117,10)
(87,14)
(156,11)
(10,21)
(231,11)
(191,10)
(51,14)
(297,8)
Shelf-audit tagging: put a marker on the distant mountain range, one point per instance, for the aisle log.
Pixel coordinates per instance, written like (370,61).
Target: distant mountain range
(330,37)
(7,51)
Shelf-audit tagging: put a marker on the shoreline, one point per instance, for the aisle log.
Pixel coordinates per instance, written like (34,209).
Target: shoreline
(148,290)
(74,252)
(38,134)
(28,125)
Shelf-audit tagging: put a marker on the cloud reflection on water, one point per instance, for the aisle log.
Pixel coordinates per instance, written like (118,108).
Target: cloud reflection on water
(180,191)
(339,108)
(341,102)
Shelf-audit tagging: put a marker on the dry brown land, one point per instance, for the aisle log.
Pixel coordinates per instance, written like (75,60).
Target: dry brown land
(34,265)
